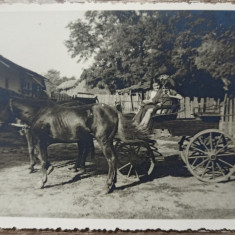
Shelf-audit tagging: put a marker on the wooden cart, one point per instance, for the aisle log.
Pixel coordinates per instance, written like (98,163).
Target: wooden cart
(208,153)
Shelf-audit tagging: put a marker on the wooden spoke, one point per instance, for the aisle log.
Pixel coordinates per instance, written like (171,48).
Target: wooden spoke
(224,147)
(137,149)
(196,143)
(202,142)
(220,169)
(197,156)
(213,169)
(129,171)
(226,163)
(210,140)
(195,160)
(207,165)
(200,164)
(125,148)
(137,175)
(199,150)
(124,166)
(226,155)
(195,153)
(218,141)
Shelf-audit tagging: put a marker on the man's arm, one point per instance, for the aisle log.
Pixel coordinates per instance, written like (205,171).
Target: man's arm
(174,94)
(178,96)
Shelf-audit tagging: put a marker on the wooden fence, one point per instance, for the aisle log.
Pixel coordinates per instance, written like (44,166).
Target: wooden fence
(107,99)
(188,107)
(61,97)
(227,123)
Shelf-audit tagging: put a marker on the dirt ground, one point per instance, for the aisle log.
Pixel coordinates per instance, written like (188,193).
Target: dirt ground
(170,193)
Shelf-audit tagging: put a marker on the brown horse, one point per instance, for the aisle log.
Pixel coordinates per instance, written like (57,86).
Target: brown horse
(51,123)
(84,148)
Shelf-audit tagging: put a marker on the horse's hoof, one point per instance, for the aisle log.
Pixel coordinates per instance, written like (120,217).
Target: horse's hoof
(40,185)
(109,189)
(80,171)
(74,169)
(50,169)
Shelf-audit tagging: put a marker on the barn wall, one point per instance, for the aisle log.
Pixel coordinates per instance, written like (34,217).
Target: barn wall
(19,81)
(13,79)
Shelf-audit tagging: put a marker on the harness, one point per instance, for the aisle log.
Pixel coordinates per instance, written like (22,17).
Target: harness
(24,127)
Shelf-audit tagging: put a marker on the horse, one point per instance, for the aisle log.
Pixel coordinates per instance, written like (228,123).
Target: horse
(83,148)
(53,123)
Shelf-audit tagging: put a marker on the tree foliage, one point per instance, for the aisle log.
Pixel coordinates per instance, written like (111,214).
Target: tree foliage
(54,79)
(195,47)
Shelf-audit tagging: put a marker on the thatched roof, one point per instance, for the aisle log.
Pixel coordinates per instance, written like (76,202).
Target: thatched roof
(68,85)
(79,88)
(141,86)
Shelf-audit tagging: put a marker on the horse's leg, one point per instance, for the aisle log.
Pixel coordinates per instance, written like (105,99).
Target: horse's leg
(79,156)
(90,148)
(46,167)
(107,148)
(31,150)
(81,159)
(76,165)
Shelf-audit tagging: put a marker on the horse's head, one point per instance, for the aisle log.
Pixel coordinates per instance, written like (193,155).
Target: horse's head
(6,113)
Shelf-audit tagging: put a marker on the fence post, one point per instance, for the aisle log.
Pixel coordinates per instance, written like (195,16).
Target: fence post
(181,113)
(233,118)
(222,113)
(187,108)
(195,104)
(230,117)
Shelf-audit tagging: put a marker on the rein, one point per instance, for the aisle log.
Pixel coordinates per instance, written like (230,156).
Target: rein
(23,126)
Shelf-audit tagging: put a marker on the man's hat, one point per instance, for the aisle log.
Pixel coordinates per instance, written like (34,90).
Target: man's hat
(166,80)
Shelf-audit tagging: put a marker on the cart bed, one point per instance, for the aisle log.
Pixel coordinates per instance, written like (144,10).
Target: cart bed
(184,127)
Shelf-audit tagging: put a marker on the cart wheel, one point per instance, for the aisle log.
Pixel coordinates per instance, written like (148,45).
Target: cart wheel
(135,160)
(210,156)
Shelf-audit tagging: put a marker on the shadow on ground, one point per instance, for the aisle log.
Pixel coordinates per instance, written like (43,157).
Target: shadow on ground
(14,152)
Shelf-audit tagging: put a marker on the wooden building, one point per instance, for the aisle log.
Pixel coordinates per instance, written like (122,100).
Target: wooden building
(21,80)
(131,97)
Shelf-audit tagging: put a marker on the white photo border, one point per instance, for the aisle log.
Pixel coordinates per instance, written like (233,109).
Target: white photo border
(113,224)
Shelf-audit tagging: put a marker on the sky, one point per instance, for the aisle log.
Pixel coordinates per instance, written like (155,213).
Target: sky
(35,40)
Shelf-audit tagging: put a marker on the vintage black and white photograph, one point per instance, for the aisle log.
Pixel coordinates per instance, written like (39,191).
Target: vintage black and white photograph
(117,114)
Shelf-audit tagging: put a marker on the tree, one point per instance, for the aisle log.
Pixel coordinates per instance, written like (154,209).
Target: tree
(132,46)
(217,56)
(54,79)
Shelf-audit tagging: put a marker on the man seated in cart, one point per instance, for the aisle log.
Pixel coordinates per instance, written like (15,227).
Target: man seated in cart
(160,98)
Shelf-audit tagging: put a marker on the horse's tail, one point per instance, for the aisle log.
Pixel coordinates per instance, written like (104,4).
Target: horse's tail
(129,130)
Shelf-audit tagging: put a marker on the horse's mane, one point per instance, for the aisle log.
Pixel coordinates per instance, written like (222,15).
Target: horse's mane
(7,95)
(4,93)
(34,101)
